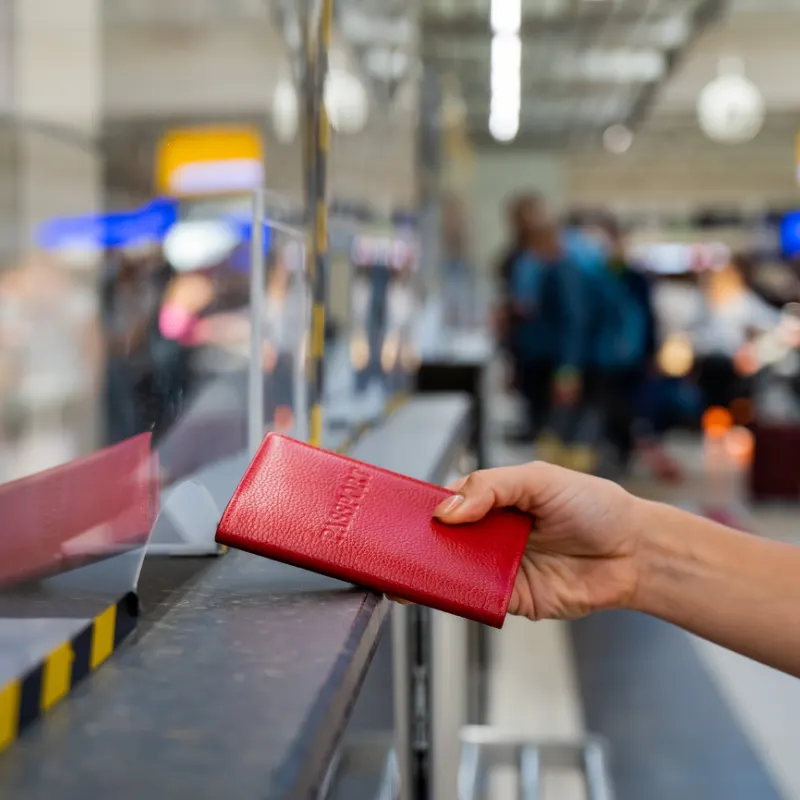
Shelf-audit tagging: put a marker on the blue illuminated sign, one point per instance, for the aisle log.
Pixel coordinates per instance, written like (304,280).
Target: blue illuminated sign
(790,234)
(108,231)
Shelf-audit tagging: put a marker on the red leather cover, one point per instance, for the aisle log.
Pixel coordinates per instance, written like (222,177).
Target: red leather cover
(364,525)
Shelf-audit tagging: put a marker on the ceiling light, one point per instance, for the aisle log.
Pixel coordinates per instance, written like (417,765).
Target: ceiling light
(386,64)
(506,86)
(506,16)
(730,109)
(346,102)
(503,129)
(618,139)
(285,111)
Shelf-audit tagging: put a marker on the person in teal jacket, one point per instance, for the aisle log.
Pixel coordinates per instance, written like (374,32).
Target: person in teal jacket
(549,297)
(624,343)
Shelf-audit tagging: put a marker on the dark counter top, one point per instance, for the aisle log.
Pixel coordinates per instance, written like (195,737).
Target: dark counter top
(242,686)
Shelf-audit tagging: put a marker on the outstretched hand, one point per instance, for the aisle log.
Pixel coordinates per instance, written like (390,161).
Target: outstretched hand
(581,553)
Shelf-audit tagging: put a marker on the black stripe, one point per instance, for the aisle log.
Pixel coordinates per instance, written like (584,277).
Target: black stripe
(31,694)
(82,648)
(127,612)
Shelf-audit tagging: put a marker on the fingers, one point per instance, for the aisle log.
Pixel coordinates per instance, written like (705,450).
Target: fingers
(487,489)
(455,486)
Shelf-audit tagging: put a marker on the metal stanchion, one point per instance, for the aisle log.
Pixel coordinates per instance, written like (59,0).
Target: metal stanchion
(317,144)
(486,748)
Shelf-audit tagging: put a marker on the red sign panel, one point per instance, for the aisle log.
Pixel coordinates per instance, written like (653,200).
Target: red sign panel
(87,509)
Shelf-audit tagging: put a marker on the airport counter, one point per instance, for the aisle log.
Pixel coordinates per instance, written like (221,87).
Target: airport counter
(242,676)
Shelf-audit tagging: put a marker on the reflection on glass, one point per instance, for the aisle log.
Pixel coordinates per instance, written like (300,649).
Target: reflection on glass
(382,308)
(92,508)
(140,334)
(285,325)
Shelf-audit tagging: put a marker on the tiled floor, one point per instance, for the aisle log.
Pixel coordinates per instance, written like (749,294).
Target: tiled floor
(535,661)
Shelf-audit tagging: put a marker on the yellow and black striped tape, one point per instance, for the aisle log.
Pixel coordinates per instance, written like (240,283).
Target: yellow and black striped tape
(26,699)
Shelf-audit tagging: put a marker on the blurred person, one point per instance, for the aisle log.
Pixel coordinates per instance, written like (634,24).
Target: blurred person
(166,380)
(51,365)
(522,214)
(285,322)
(679,305)
(457,273)
(130,304)
(205,311)
(626,350)
(550,337)
(593,546)
(734,316)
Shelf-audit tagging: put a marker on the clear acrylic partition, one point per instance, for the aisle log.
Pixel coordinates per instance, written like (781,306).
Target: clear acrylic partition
(384,311)
(454,321)
(285,319)
(84,403)
(339,398)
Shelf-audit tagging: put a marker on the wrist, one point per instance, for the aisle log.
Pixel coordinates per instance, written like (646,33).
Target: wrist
(660,552)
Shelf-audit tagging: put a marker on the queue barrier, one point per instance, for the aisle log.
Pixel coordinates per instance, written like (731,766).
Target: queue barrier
(484,748)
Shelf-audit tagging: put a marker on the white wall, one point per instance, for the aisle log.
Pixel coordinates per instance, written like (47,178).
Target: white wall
(173,71)
(51,53)
(498,175)
(56,62)
(682,170)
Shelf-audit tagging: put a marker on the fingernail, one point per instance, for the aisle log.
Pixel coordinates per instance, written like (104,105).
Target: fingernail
(449,505)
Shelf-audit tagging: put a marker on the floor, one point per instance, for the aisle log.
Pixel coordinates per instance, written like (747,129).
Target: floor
(536,661)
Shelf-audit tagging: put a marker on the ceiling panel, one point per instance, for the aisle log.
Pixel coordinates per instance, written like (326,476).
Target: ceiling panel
(586,64)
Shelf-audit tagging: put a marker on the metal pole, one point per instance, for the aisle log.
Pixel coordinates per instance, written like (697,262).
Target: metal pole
(319,286)
(529,774)
(255,404)
(317,147)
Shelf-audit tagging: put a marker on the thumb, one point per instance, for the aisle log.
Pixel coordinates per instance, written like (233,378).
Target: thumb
(485,490)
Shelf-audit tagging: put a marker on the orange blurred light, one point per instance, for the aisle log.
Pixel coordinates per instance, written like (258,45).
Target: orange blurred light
(717,420)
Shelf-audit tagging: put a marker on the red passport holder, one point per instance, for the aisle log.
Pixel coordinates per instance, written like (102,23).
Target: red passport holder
(331,514)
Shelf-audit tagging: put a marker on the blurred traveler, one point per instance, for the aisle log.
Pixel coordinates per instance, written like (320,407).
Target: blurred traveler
(679,306)
(129,305)
(523,214)
(458,289)
(593,546)
(735,315)
(626,350)
(547,300)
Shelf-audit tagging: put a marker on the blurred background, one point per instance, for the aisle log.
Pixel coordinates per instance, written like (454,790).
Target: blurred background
(155,155)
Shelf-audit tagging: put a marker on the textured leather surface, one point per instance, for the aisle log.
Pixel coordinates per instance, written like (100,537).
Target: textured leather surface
(330,514)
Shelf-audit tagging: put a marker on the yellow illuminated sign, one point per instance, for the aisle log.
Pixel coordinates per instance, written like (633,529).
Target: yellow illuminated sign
(193,162)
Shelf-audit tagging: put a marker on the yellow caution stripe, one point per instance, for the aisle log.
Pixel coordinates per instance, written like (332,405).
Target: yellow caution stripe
(25,699)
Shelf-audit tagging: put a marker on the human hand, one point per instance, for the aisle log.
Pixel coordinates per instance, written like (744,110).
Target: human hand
(581,555)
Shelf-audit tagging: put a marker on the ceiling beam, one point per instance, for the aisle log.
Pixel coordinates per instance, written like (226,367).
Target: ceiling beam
(706,14)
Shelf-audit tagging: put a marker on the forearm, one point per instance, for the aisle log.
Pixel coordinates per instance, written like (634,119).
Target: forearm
(737,590)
